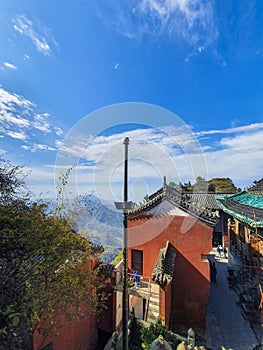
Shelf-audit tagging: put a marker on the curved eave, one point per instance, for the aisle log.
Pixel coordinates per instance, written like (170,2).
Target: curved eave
(240,217)
(141,212)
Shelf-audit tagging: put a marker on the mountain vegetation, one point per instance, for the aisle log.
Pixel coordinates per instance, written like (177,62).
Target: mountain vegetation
(101,224)
(46,267)
(217,184)
(98,222)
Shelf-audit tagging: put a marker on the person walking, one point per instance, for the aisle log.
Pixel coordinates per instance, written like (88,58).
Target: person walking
(218,251)
(213,272)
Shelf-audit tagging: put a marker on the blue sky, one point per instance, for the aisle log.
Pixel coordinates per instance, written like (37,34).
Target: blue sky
(182,78)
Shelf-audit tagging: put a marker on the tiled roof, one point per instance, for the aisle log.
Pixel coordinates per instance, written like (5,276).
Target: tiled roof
(163,271)
(245,206)
(105,269)
(201,205)
(257,188)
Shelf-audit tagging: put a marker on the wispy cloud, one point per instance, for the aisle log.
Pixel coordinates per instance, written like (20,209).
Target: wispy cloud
(234,152)
(58,131)
(154,153)
(8,65)
(16,135)
(245,143)
(169,140)
(21,120)
(238,129)
(41,122)
(191,21)
(38,147)
(40,35)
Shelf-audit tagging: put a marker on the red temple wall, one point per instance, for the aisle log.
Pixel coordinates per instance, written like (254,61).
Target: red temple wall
(81,334)
(106,319)
(190,286)
(77,335)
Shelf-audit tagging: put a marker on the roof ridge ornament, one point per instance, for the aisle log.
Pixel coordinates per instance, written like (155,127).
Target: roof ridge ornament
(164,184)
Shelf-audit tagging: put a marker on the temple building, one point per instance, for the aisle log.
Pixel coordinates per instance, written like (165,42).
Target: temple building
(244,212)
(169,238)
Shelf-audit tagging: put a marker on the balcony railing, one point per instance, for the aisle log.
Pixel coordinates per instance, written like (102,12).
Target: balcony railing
(135,281)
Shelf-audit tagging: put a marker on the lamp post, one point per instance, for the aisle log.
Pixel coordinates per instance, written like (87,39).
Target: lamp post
(125,206)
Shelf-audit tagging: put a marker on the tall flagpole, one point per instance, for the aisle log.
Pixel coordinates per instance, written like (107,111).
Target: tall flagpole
(125,252)
(125,206)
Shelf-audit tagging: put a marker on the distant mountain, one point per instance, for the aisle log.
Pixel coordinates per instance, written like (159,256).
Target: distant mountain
(101,223)
(103,212)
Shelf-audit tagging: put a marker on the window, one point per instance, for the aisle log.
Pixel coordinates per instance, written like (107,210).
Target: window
(137,261)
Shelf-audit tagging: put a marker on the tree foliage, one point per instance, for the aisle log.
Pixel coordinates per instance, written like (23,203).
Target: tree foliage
(149,334)
(223,185)
(11,180)
(219,185)
(44,268)
(118,258)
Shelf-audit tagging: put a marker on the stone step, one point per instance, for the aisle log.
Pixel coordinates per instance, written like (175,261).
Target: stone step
(154,308)
(155,297)
(154,301)
(155,288)
(153,312)
(152,317)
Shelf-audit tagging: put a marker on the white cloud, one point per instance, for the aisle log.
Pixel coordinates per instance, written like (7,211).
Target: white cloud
(40,122)
(9,99)
(8,118)
(58,131)
(16,135)
(245,143)
(38,147)
(169,140)
(191,21)
(98,161)
(39,34)
(9,65)
(235,152)
(153,153)
(20,119)
(233,130)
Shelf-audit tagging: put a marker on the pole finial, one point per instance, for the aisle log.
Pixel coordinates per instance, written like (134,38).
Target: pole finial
(126,141)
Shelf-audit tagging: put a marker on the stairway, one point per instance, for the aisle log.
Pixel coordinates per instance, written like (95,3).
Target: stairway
(153,305)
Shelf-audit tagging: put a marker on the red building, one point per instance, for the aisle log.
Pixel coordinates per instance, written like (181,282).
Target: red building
(244,212)
(77,335)
(92,331)
(169,239)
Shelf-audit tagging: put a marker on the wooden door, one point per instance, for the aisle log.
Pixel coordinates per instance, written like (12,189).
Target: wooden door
(137,261)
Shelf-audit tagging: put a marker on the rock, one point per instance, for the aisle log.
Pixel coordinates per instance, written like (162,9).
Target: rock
(160,344)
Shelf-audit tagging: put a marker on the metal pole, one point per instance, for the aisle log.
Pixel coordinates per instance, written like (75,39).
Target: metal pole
(125,301)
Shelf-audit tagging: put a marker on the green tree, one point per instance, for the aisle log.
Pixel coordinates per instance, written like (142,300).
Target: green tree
(211,187)
(118,258)
(11,180)
(149,334)
(44,269)
(223,185)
